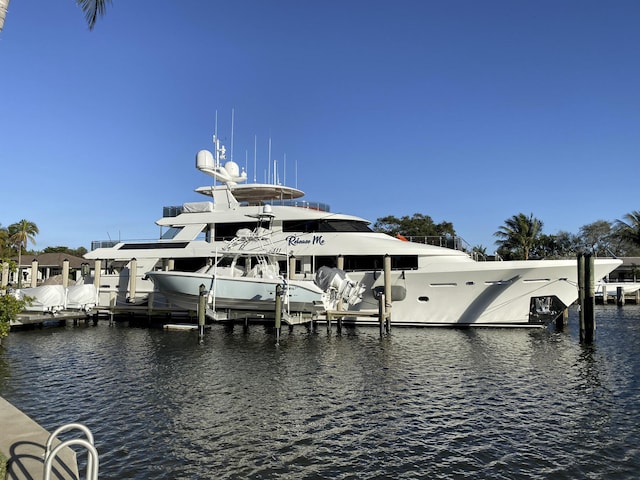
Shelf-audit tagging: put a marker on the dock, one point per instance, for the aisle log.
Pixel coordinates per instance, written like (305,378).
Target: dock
(23,441)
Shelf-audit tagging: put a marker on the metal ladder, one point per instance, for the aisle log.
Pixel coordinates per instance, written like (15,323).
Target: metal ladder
(51,453)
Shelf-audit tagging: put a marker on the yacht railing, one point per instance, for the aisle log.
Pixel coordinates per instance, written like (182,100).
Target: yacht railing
(455,243)
(322,207)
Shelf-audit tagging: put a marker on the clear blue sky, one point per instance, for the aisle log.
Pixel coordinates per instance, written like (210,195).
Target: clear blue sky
(467,111)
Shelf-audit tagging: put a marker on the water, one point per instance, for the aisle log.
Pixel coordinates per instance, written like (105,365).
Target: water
(419,403)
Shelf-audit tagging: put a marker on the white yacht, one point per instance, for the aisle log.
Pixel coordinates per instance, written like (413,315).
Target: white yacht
(430,285)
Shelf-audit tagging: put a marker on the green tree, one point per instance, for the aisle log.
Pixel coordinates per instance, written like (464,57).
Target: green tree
(10,307)
(418,225)
(91,8)
(562,244)
(597,237)
(628,231)
(518,236)
(4,242)
(20,234)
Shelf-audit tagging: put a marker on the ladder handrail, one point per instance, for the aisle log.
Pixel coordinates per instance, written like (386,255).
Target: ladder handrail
(50,454)
(92,462)
(66,428)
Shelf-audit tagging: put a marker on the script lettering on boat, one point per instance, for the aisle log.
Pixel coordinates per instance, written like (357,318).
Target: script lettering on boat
(293,240)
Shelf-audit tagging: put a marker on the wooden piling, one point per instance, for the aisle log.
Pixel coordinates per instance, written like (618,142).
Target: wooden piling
(202,305)
(589,300)
(133,273)
(97,271)
(381,318)
(620,296)
(34,273)
(562,320)
(65,273)
(387,292)
(113,300)
(340,304)
(580,259)
(292,267)
(278,312)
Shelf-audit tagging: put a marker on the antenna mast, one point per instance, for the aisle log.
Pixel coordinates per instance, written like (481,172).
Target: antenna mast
(215,139)
(232,115)
(255,156)
(269,162)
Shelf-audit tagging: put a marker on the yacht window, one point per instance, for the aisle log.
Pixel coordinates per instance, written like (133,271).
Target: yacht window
(328,261)
(376,262)
(147,245)
(225,262)
(189,264)
(324,225)
(169,234)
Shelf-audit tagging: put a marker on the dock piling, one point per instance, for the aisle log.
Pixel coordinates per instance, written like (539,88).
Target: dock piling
(65,273)
(278,312)
(387,292)
(620,296)
(586,295)
(562,320)
(381,319)
(97,271)
(202,305)
(34,273)
(133,271)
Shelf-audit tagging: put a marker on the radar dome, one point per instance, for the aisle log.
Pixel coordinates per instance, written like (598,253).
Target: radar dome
(232,168)
(204,159)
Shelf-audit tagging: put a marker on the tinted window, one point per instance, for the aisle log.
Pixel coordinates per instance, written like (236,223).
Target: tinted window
(324,225)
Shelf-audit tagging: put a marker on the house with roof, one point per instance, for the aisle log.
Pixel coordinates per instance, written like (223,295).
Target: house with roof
(48,267)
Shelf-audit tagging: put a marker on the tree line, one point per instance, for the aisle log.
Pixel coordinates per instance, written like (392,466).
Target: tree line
(521,237)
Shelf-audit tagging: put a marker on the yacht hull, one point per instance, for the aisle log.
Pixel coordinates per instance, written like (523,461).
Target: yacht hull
(241,293)
(525,293)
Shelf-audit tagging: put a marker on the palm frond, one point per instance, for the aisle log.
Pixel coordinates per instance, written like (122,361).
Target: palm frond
(92,9)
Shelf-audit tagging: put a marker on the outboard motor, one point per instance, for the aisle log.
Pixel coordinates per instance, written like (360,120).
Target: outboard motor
(338,286)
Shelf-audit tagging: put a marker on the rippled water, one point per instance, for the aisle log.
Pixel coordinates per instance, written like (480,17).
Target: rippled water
(418,403)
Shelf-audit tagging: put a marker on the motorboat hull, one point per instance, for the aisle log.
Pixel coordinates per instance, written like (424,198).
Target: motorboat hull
(182,289)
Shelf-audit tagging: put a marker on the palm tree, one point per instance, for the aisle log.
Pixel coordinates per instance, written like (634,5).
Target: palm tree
(91,8)
(520,234)
(4,238)
(20,234)
(4,6)
(629,231)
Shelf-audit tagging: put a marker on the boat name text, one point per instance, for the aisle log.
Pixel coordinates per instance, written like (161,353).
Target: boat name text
(294,240)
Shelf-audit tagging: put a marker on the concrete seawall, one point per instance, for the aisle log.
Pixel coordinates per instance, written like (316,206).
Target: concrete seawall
(23,442)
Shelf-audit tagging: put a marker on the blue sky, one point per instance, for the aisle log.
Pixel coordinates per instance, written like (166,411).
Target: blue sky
(467,111)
